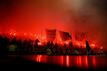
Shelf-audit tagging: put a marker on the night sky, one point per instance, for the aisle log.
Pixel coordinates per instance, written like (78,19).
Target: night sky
(66,15)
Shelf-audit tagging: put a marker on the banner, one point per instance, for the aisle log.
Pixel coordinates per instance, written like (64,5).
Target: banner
(80,36)
(50,34)
(65,36)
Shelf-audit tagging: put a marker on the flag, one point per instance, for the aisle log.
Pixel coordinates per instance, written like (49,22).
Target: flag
(50,34)
(80,36)
(65,35)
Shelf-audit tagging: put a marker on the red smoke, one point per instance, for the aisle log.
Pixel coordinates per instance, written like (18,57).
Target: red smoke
(34,17)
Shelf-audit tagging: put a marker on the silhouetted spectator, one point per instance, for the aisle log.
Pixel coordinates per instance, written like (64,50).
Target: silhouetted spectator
(88,47)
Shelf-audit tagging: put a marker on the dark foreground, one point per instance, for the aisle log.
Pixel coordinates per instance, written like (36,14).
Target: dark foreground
(26,62)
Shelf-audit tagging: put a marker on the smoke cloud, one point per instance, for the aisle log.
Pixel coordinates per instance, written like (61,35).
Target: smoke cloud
(66,15)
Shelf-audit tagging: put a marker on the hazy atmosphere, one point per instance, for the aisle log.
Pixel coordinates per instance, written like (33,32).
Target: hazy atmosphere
(66,15)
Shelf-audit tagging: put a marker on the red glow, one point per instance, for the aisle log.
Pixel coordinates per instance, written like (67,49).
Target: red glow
(39,43)
(58,40)
(79,61)
(25,34)
(94,61)
(62,60)
(38,59)
(43,37)
(14,34)
(66,42)
(67,61)
(38,17)
(86,61)
(78,44)
(93,45)
(101,48)
(10,33)
(35,35)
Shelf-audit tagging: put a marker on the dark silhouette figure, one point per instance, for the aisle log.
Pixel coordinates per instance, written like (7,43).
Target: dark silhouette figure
(88,48)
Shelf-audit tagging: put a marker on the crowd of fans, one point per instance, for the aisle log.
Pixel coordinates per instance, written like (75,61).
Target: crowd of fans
(13,45)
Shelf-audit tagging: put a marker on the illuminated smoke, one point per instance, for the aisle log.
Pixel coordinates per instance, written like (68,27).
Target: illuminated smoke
(65,15)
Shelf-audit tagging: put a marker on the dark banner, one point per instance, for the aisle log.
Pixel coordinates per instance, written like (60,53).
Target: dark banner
(65,35)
